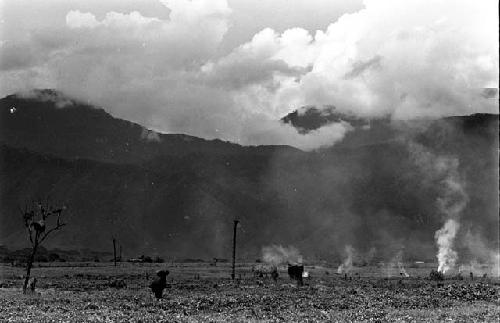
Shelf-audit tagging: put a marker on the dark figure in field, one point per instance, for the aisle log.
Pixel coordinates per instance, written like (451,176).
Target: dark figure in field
(159,284)
(31,285)
(471,276)
(295,273)
(274,274)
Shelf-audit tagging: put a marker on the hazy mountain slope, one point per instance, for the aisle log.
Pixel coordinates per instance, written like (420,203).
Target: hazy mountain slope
(366,191)
(48,122)
(181,203)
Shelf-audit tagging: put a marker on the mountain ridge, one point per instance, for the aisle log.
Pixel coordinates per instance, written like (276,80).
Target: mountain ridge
(183,204)
(96,134)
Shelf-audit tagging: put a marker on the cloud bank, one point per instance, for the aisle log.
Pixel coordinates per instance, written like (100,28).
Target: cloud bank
(402,59)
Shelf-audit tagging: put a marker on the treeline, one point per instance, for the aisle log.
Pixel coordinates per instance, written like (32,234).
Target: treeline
(19,256)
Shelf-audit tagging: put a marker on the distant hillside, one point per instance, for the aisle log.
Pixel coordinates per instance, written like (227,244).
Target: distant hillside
(178,196)
(48,122)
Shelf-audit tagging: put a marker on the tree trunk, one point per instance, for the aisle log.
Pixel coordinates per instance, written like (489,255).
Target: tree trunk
(28,267)
(234,249)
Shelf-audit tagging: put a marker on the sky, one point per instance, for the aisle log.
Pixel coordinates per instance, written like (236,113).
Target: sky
(230,69)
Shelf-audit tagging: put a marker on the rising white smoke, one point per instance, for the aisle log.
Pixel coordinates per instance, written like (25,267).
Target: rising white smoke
(346,265)
(399,262)
(445,237)
(277,255)
(450,203)
(150,135)
(46,96)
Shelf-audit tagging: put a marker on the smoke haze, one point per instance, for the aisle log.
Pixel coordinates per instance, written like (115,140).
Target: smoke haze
(277,255)
(347,264)
(406,178)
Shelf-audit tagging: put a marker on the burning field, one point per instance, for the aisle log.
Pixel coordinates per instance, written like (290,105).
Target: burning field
(201,292)
(337,160)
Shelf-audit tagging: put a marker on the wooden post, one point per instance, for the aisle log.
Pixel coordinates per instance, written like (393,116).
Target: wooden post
(114,250)
(234,249)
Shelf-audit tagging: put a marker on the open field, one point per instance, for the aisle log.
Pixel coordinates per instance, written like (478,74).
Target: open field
(92,292)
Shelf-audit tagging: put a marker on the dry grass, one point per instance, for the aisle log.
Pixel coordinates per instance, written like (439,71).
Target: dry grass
(83,294)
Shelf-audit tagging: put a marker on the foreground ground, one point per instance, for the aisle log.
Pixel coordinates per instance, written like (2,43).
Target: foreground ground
(87,293)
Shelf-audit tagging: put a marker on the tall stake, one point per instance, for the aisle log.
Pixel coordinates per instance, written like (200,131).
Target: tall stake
(234,248)
(114,250)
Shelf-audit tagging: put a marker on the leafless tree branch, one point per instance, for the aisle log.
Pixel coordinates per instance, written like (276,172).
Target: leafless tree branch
(60,225)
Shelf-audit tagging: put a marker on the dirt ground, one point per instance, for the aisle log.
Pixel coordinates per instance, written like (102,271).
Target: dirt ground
(90,292)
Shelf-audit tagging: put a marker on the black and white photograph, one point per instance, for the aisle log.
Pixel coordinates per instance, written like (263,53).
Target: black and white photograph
(249,161)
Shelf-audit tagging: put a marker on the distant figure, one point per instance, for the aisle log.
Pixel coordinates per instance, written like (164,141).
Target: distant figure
(295,273)
(471,275)
(274,274)
(159,284)
(31,285)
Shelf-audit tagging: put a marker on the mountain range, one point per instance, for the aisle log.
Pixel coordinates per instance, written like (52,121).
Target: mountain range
(176,195)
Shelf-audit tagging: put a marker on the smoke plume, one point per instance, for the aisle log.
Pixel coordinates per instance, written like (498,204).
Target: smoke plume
(150,135)
(396,264)
(398,259)
(447,257)
(60,101)
(277,255)
(450,203)
(346,265)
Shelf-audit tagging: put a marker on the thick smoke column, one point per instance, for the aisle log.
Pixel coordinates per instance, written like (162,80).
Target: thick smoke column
(277,255)
(447,257)
(451,205)
(346,265)
(451,202)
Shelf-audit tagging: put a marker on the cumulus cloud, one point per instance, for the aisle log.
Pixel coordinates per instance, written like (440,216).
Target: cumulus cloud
(77,19)
(405,59)
(390,58)
(253,63)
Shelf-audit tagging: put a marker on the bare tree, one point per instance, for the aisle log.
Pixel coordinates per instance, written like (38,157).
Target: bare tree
(36,217)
